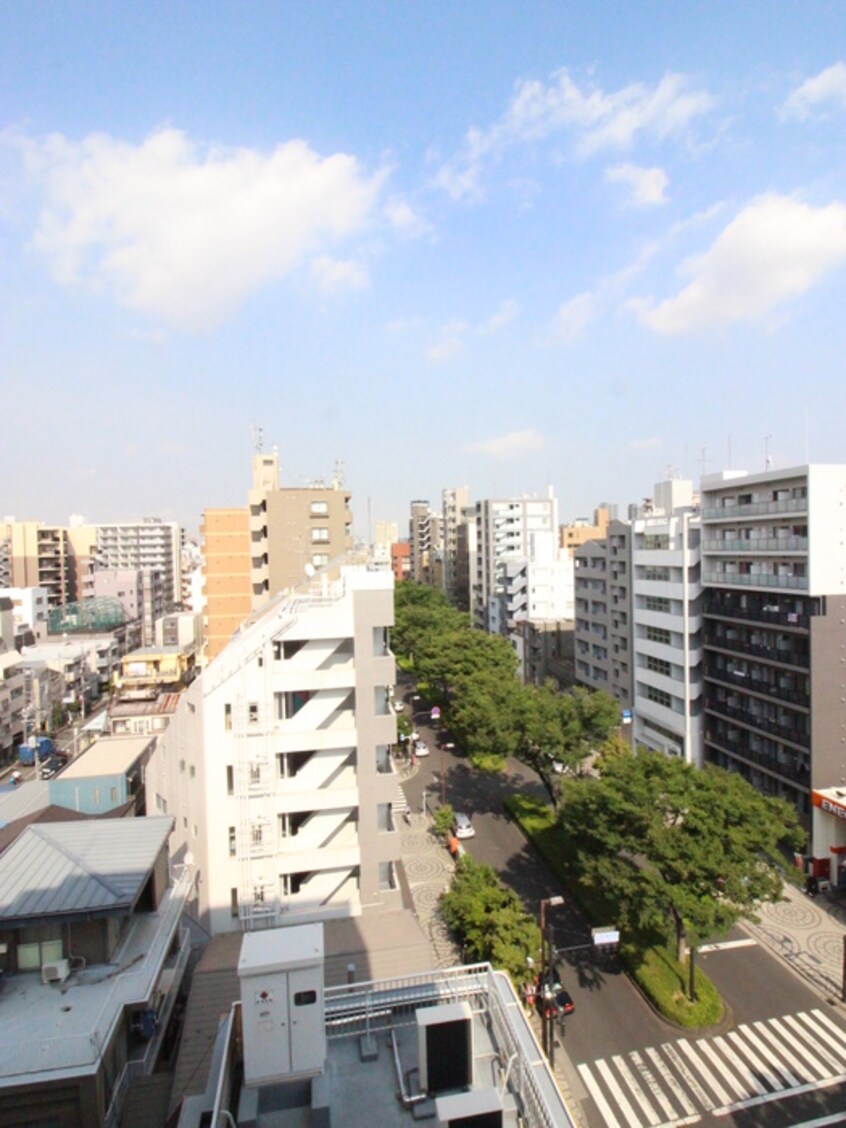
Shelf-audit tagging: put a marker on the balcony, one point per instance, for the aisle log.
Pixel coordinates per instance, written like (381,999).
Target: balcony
(796,771)
(756,580)
(756,545)
(783,656)
(736,680)
(755,509)
(758,723)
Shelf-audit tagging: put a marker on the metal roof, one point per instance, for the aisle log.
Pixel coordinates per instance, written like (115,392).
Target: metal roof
(79,867)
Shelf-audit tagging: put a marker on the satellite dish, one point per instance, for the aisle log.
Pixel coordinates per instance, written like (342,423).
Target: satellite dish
(309,570)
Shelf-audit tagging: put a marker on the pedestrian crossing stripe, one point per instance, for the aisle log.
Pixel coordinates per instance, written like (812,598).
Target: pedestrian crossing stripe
(677,1082)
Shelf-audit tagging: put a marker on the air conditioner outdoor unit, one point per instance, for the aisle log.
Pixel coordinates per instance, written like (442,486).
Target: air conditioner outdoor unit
(56,972)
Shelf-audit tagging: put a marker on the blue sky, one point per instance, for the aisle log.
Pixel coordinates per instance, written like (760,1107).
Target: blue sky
(496,244)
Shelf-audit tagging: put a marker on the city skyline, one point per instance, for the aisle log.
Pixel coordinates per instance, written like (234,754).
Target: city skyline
(508,247)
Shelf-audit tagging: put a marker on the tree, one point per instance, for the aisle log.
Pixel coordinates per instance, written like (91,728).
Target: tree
(490,919)
(557,730)
(484,714)
(661,836)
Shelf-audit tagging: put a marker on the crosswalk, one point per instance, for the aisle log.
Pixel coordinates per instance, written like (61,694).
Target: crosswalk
(678,1082)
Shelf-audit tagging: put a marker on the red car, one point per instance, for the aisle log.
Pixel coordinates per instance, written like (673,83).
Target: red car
(555,1002)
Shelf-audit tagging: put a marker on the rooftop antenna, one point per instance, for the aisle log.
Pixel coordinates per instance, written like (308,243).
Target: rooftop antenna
(768,460)
(338,477)
(703,462)
(258,442)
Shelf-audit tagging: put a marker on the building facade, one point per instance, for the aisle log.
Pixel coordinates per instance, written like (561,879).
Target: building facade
(774,572)
(277,761)
(667,623)
(455,504)
(603,610)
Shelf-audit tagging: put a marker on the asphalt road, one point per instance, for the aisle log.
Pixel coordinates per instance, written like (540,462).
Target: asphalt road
(614,1023)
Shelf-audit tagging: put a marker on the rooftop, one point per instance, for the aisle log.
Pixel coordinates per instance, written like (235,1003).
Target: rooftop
(110,755)
(53,1030)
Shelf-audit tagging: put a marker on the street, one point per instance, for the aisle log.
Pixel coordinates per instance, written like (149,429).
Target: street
(778,1057)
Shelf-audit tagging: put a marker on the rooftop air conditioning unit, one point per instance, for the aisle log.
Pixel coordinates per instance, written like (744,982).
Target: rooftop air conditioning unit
(56,972)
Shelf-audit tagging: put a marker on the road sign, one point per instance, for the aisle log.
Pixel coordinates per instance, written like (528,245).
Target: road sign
(436,713)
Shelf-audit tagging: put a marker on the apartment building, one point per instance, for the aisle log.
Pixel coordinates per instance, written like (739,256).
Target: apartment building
(455,507)
(277,540)
(773,634)
(603,610)
(140,592)
(580,531)
(277,761)
(29,609)
(507,530)
(667,623)
(149,546)
(36,555)
(425,539)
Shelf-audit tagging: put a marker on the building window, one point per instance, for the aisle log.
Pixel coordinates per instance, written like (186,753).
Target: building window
(319,508)
(658,634)
(319,535)
(96,796)
(320,559)
(232,842)
(230,780)
(192,771)
(277,650)
(658,666)
(233,901)
(659,696)
(227,717)
(253,713)
(257,834)
(181,767)
(656,603)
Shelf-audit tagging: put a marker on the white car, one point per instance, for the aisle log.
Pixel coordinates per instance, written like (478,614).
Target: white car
(398,705)
(463,827)
(421,748)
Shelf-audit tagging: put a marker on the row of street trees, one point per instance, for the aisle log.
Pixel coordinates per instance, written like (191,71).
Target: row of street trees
(471,675)
(677,851)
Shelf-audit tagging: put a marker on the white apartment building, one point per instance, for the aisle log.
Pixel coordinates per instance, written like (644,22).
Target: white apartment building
(277,763)
(667,623)
(149,545)
(506,530)
(29,608)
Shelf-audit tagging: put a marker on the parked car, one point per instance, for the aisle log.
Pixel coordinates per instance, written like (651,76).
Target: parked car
(421,748)
(462,826)
(51,767)
(398,705)
(554,1001)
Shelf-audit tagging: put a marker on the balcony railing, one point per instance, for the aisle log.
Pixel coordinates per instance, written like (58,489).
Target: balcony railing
(796,658)
(755,509)
(796,772)
(755,685)
(759,723)
(756,579)
(758,544)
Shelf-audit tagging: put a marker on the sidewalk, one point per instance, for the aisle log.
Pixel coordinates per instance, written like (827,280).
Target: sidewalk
(808,935)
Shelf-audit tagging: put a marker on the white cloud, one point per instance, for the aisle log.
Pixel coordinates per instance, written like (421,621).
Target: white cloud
(648,185)
(186,232)
(828,88)
(574,315)
(777,248)
(506,313)
(333,276)
(453,336)
(511,445)
(596,119)
(405,220)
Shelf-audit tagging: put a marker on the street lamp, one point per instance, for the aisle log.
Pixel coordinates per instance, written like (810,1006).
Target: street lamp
(546,978)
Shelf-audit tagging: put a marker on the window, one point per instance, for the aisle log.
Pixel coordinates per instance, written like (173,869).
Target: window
(319,508)
(657,634)
(277,650)
(658,666)
(233,849)
(95,796)
(192,771)
(230,780)
(659,696)
(253,713)
(319,535)
(256,831)
(233,901)
(656,603)
(227,717)
(181,767)
(320,559)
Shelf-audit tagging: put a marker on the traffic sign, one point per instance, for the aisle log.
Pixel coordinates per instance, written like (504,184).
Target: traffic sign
(436,713)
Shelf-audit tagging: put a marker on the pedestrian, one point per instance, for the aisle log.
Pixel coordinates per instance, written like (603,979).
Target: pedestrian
(408,814)
(453,846)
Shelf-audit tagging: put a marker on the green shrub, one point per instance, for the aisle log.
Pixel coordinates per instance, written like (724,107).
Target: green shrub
(444,819)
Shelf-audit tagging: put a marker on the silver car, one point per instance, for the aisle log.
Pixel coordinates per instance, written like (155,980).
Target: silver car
(463,827)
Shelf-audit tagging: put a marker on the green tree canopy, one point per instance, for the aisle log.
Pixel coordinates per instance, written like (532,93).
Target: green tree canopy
(662,836)
(490,919)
